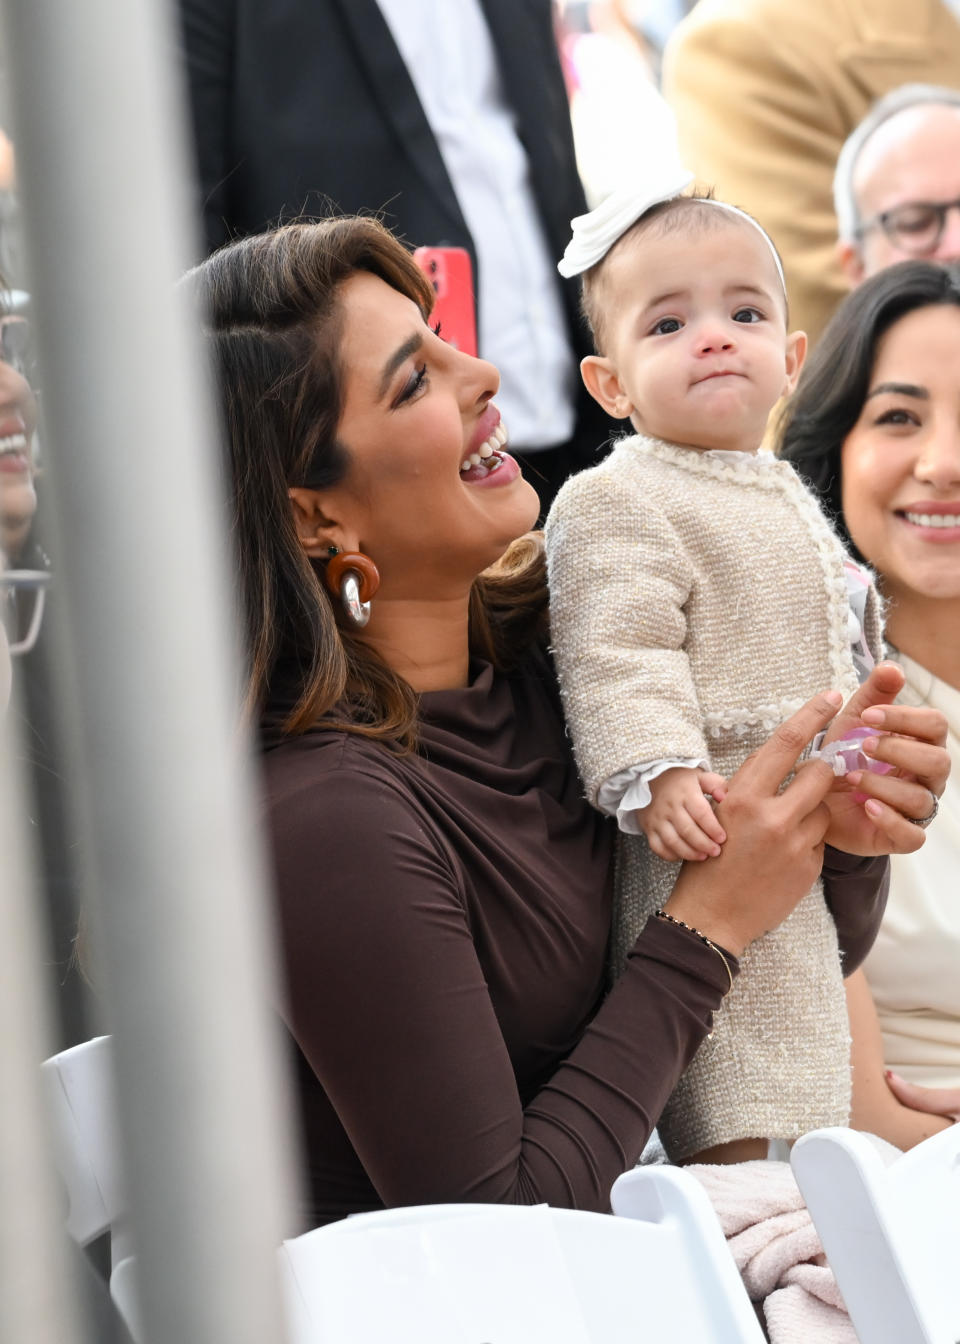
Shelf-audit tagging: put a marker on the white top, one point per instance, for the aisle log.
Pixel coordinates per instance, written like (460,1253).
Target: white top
(449,55)
(914,967)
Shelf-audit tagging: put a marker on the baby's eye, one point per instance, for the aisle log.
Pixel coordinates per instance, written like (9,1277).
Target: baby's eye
(666,326)
(748,315)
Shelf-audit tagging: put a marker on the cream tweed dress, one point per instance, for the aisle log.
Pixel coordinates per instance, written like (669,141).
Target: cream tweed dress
(697,600)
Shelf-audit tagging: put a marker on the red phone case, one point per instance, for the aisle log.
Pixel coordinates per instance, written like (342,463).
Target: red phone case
(450,273)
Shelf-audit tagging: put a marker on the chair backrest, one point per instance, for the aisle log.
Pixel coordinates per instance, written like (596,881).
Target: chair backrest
(494,1274)
(80,1091)
(675,1204)
(890,1230)
(125,1291)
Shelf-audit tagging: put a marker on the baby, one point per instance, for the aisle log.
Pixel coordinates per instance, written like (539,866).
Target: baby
(699,597)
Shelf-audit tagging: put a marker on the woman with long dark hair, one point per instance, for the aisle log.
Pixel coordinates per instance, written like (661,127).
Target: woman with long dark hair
(443,887)
(875,428)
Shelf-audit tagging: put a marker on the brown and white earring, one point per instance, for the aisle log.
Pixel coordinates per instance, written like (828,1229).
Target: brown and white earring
(354,578)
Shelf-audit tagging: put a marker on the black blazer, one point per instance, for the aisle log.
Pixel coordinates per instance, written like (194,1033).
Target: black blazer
(300,106)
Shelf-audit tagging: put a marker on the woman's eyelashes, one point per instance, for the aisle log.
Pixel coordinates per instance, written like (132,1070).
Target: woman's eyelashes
(413,386)
(898,416)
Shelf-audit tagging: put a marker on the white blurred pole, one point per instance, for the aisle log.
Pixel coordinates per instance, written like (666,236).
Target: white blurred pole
(36,1301)
(183,939)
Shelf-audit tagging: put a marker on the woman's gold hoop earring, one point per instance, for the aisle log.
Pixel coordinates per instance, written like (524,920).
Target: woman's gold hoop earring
(354,578)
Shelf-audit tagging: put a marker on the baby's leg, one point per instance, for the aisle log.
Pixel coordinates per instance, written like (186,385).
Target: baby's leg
(726,1154)
(777,1062)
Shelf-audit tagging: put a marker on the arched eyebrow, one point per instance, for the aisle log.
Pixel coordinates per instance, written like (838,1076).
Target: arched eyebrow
(899,390)
(402,353)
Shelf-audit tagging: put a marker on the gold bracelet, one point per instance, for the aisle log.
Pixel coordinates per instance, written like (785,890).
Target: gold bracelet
(662,914)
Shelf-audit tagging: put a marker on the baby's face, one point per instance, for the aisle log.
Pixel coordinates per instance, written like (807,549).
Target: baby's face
(697,348)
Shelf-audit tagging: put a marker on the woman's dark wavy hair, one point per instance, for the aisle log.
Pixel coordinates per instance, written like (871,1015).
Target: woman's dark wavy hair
(272,310)
(834,384)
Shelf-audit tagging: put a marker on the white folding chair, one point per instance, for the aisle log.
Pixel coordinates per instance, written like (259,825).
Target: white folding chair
(890,1230)
(79,1085)
(676,1204)
(479,1273)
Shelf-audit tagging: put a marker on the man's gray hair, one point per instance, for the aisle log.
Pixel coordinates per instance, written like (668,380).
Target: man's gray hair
(898,100)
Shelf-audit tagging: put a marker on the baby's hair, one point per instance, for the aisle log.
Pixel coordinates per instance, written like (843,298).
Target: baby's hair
(694,214)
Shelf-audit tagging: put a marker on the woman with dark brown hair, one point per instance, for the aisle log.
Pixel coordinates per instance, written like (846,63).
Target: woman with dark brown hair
(443,887)
(875,428)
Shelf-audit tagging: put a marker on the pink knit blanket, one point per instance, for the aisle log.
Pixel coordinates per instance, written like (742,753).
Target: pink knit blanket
(777,1251)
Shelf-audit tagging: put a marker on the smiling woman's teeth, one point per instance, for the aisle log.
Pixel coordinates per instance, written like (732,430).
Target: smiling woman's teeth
(487,454)
(13,443)
(933,519)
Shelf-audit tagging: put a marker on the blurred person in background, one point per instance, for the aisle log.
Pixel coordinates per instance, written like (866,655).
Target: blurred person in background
(25,597)
(765,94)
(897,185)
(875,428)
(449,119)
(613,82)
(18,427)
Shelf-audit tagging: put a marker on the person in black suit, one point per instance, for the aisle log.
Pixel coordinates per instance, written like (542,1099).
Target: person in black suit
(303,107)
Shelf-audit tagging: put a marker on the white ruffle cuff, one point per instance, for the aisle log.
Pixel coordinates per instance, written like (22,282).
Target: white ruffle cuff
(621,794)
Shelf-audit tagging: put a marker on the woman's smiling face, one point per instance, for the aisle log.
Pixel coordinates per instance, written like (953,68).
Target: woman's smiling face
(901,460)
(415,412)
(18,423)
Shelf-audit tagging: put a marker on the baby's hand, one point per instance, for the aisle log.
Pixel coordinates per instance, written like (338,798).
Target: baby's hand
(678,821)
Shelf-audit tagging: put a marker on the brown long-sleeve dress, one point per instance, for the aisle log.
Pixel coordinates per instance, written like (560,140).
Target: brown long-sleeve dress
(445,920)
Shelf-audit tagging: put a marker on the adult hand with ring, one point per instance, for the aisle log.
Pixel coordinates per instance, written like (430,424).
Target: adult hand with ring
(873,814)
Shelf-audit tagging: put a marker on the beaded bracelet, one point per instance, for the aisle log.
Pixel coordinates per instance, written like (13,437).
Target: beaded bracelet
(662,914)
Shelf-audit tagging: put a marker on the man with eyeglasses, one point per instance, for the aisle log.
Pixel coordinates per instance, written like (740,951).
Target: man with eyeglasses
(897,183)
(765,93)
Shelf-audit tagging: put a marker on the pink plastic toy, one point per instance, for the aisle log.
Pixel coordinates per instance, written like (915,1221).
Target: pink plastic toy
(844,755)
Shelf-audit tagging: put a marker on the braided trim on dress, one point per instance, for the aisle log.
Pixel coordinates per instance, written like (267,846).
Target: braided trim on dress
(772,473)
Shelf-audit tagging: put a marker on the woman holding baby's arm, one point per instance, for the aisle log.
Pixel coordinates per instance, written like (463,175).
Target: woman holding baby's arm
(443,887)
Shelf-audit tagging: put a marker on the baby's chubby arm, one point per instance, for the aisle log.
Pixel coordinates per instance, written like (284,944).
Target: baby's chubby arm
(620,578)
(679,822)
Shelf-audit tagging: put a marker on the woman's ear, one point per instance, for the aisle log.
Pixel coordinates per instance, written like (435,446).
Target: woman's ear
(796,354)
(601,380)
(315,528)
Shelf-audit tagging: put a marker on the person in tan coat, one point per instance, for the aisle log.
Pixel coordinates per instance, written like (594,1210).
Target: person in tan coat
(766,93)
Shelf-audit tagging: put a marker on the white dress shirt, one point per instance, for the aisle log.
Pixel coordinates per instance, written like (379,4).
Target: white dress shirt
(449,55)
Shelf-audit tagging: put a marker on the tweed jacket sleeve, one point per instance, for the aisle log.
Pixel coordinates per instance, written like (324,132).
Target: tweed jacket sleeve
(619,578)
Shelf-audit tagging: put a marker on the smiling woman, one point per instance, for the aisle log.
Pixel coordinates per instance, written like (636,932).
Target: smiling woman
(18,423)
(875,427)
(442,884)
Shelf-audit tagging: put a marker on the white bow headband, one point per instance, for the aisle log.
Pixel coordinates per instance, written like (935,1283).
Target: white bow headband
(595,233)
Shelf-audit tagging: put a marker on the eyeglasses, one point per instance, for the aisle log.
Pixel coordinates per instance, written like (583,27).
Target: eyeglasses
(13,583)
(915,227)
(16,346)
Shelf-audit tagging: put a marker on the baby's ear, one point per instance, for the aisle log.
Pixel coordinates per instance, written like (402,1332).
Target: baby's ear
(602,382)
(796,354)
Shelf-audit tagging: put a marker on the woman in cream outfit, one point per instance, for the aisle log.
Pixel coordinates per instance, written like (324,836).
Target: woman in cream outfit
(875,427)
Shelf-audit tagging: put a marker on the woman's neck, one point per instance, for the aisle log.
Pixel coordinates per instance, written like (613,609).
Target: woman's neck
(424,642)
(927,629)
